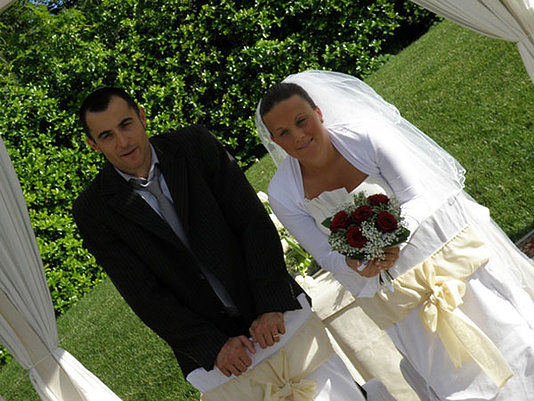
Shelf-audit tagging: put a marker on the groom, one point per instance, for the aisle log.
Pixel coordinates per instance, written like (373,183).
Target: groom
(216,270)
(184,238)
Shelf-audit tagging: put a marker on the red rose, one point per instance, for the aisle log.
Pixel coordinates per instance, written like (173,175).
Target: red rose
(361,214)
(355,237)
(339,221)
(386,222)
(378,199)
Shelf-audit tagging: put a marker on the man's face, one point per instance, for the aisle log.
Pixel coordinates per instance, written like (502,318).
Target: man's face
(119,133)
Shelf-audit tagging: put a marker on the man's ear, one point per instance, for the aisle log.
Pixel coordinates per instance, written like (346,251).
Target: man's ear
(92,144)
(142,116)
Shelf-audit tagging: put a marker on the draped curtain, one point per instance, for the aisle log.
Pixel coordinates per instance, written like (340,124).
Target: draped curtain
(27,322)
(511,20)
(4,4)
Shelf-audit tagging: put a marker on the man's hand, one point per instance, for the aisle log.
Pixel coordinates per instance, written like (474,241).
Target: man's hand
(232,358)
(267,328)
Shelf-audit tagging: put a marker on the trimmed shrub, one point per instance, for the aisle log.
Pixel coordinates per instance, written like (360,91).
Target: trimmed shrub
(185,61)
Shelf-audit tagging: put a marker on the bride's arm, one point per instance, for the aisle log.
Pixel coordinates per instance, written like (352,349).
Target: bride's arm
(302,226)
(396,166)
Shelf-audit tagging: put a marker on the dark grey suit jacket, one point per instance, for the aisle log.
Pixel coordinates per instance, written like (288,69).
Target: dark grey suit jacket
(229,232)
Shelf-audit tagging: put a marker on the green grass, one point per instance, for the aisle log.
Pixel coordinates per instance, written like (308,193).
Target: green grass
(468,92)
(473,96)
(260,173)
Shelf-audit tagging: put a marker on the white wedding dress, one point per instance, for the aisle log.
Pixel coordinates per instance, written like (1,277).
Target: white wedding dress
(493,301)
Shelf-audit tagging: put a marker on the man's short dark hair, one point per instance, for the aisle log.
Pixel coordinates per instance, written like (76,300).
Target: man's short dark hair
(99,101)
(280,92)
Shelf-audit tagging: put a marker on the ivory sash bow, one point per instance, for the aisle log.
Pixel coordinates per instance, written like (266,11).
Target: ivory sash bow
(281,376)
(438,285)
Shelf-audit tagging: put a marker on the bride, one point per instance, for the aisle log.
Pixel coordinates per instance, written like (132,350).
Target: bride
(461,310)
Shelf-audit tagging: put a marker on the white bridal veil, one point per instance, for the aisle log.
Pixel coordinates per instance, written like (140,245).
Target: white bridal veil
(346,100)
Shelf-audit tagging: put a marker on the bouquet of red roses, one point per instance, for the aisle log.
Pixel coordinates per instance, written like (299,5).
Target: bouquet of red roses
(364,229)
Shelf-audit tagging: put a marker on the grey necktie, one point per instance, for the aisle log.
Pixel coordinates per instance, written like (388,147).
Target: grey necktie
(168,213)
(166,207)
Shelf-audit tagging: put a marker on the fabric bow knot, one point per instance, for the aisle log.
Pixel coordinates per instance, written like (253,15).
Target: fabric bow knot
(302,390)
(460,336)
(445,296)
(438,285)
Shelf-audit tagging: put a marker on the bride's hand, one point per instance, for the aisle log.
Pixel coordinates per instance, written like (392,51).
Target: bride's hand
(354,264)
(373,267)
(390,257)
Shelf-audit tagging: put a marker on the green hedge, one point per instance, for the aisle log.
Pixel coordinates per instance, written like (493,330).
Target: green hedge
(186,61)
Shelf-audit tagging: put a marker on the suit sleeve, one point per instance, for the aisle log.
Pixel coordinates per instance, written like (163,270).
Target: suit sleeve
(185,331)
(266,270)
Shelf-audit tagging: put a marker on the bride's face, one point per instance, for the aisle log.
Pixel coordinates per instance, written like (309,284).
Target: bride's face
(297,127)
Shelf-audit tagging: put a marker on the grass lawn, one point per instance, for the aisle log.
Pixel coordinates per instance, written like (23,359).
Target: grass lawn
(470,93)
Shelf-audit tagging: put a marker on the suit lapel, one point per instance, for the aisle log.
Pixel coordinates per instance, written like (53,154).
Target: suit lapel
(126,201)
(174,170)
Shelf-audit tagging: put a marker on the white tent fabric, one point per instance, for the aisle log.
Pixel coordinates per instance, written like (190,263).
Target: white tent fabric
(511,20)
(4,4)
(27,322)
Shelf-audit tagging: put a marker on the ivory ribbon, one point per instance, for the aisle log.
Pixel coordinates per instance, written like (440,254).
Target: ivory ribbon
(281,376)
(438,285)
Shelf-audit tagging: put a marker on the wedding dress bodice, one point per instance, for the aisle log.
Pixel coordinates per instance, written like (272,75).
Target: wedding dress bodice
(327,203)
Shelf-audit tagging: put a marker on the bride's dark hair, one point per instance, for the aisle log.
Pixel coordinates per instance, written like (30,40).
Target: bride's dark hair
(281,92)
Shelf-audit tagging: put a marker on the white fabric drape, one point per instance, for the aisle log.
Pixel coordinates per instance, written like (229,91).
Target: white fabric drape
(27,322)
(511,20)
(4,4)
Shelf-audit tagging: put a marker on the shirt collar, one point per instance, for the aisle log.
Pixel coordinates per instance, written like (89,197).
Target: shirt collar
(154,161)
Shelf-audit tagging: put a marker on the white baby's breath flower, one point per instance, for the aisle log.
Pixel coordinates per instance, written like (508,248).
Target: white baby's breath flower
(264,198)
(276,222)
(285,246)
